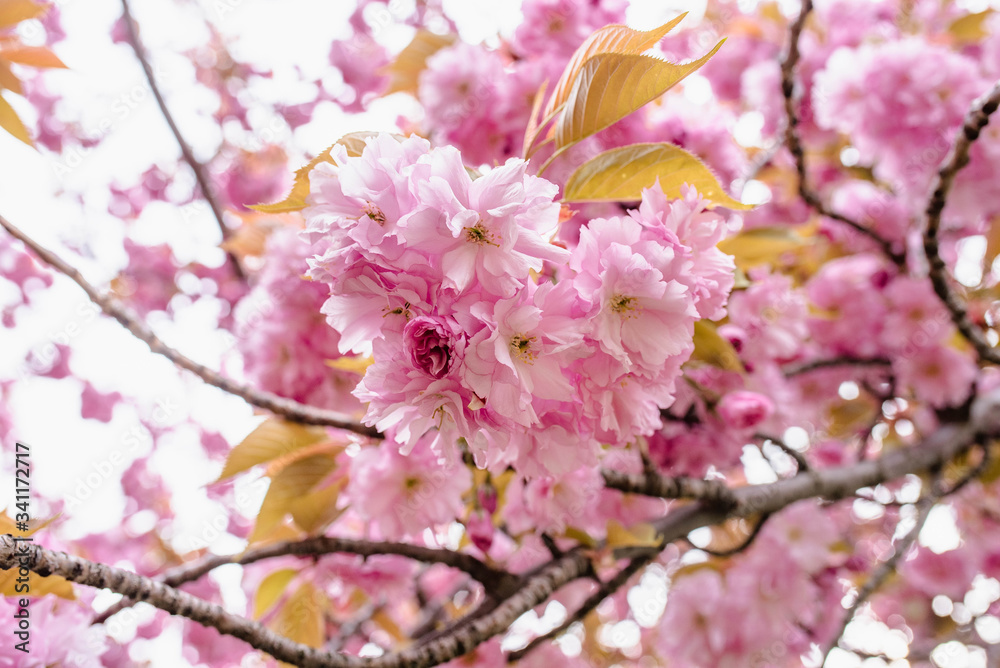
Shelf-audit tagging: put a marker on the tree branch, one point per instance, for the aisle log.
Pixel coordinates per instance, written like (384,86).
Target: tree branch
(494,617)
(814,365)
(794,143)
(977,118)
(715,492)
(497,583)
(287,408)
(606,589)
(199,170)
(886,568)
(800,459)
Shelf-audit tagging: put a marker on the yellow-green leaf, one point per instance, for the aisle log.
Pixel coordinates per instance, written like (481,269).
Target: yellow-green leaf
(610,86)
(12,124)
(712,349)
(580,536)
(638,535)
(970,28)
(404,72)
(292,482)
(316,510)
(35,56)
(352,364)
(37,585)
(609,39)
(274,438)
(531,132)
(270,590)
(762,245)
(296,199)
(621,174)
(15,11)
(354,142)
(302,617)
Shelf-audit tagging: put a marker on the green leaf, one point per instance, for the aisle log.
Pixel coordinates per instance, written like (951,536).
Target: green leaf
(970,28)
(621,174)
(302,617)
(354,142)
(12,124)
(762,245)
(637,535)
(712,349)
(291,483)
(270,590)
(610,86)
(274,438)
(404,72)
(609,39)
(296,199)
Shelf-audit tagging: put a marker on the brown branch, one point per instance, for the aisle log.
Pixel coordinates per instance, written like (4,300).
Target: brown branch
(287,408)
(747,542)
(497,583)
(606,589)
(885,569)
(977,118)
(805,367)
(794,142)
(715,492)
(800,459)
(492,617)
(199,170)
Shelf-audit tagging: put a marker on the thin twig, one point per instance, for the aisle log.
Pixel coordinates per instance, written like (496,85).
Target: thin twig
(606,589)
(794,143)
(199,170)
(287,408)
(799,458)
(478,627)
(886,568)
(977,118)
(497,583)
(814,365)
(747,542)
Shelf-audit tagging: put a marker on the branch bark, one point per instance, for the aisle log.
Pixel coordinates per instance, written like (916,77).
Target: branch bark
(977,119)
(794,142)
(199,170)
(497,583)
(534,589)
(287,408)
(885,569)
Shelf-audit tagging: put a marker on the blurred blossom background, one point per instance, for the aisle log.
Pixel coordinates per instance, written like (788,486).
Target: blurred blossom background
(257,88)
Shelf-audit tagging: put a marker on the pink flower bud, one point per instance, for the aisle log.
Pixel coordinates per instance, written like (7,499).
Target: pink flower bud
(480,528)
(743,410)
(430,344)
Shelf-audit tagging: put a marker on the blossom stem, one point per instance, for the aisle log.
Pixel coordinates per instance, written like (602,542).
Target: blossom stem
(794,142)
(533,589)
(975,120)
(287,408)
(497,583)
(199,169)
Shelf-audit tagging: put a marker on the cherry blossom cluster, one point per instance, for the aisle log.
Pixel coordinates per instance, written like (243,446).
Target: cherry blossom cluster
(482,329)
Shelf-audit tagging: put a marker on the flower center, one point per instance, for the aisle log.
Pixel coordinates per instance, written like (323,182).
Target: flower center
(373,212)
(478,234)
(521,348)
(623,305)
